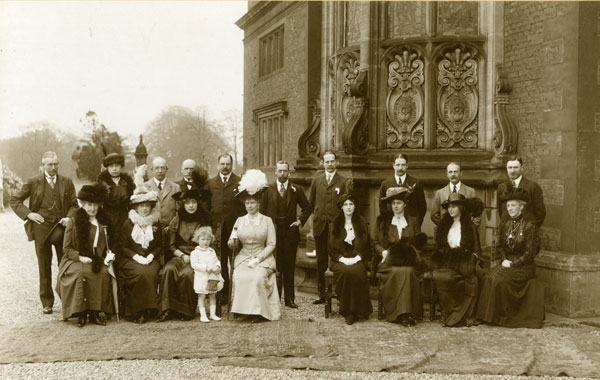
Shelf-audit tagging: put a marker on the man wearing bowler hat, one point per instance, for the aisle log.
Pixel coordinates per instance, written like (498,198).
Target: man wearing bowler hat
(51,200)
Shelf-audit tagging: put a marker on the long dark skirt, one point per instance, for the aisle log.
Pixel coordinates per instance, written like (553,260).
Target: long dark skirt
(457,295)
(81,289)
(177,288)
(512,297)
(400,292)
(352,288)
(140,285)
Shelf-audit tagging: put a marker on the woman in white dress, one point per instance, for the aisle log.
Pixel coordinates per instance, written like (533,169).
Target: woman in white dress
(254,290)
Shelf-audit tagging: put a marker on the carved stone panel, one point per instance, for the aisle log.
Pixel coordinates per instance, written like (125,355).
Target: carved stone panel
(406,19)
(352,104)
(352,22)
(405,98)
(457,97)
(458,17)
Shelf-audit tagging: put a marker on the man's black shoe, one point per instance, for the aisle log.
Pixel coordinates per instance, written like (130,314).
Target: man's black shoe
(320,301)
(290,303)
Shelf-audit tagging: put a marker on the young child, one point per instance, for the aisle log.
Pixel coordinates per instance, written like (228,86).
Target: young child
(207,272)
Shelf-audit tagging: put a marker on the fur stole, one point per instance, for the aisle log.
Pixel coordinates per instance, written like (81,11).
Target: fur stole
(444,256)
(143,221)
(104,178)
(82,224)
(359,228)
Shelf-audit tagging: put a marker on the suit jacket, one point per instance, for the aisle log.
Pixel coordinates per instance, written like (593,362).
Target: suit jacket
(417,206)
(535,208)
(224,207)
(324,198)
(293,195)
(34,190)
(442,195)
(166,204)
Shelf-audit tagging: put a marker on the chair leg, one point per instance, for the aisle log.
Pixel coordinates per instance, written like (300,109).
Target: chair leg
(328,296)
(380,313)
(432,300)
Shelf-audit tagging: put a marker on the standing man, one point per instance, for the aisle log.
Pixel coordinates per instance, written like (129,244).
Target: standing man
(455,185)
(165,190)
(280,202)
(224,211)
(194,177)
(326,190)
(417,207)
(536,207)
(51,200)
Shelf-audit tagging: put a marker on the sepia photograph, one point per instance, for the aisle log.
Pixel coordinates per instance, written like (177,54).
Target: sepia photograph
(310,190)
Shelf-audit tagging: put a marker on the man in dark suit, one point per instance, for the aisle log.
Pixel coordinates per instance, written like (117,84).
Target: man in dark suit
(280,202)
(165,190)
(225,208)
(51,200)
(535,208)
(326,190)
(194,177)
(417,205)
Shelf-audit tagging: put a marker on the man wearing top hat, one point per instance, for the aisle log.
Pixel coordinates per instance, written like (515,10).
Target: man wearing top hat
(51,200)
(280,202)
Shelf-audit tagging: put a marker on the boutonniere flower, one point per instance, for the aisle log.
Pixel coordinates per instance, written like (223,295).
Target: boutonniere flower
(293,188)
(337,190)
(154,228)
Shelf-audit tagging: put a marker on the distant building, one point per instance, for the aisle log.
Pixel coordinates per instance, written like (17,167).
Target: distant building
(471,82)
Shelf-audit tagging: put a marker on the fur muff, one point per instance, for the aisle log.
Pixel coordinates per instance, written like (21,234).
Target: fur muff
(446,257)
(82,225)
(402,254)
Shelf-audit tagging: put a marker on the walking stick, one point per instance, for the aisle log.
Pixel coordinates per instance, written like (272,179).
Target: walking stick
(229,289)
(113,278)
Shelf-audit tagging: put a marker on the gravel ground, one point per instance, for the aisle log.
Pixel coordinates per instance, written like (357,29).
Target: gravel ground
(19,303)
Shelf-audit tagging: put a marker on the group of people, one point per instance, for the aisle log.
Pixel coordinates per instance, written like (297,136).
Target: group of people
(171,245)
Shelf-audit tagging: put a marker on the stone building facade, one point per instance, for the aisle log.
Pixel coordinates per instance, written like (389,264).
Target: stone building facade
(471,82)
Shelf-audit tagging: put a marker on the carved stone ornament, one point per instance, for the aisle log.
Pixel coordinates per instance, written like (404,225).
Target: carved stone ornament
(353,105)
(308,143)
(505,131)
(458,98)
(405,99)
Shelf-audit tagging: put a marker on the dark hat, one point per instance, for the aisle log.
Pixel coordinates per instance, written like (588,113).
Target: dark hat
(113,158)
(92,193)
(455,198)
(516,193)
(197,194)
(399,192)
(344,197)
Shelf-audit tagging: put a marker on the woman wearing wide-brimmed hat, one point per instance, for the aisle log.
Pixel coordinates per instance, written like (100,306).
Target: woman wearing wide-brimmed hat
(177,296)
(140,254)
(396,259)
(83,282)
(350,251)
(456,251)
(510,294)
(254,284)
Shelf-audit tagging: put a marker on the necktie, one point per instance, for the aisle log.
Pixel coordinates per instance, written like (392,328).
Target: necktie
(514,183)
(224,180)
(281,190)
(454,188)
(328,178)
(51,181)
(160,186)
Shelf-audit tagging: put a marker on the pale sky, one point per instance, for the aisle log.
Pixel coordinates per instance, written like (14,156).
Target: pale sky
(124,60)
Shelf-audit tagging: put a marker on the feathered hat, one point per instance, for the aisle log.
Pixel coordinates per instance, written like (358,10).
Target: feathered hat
(253,182)
(141,193)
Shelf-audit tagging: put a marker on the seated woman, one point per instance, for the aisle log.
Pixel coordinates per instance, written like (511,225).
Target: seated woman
(254,284)
(83,282)
(510,295)
(140,254)
(456,251)
(350,251)
(177,295)
(400,287)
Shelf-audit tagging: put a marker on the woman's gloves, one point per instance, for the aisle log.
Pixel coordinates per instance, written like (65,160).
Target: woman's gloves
(232,243)
(85,259)
(253,262)
(350,260)
(506,263)
(143,260)
(384,254)
(110,257)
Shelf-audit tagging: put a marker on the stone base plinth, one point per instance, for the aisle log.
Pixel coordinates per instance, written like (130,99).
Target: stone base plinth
(572,283)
